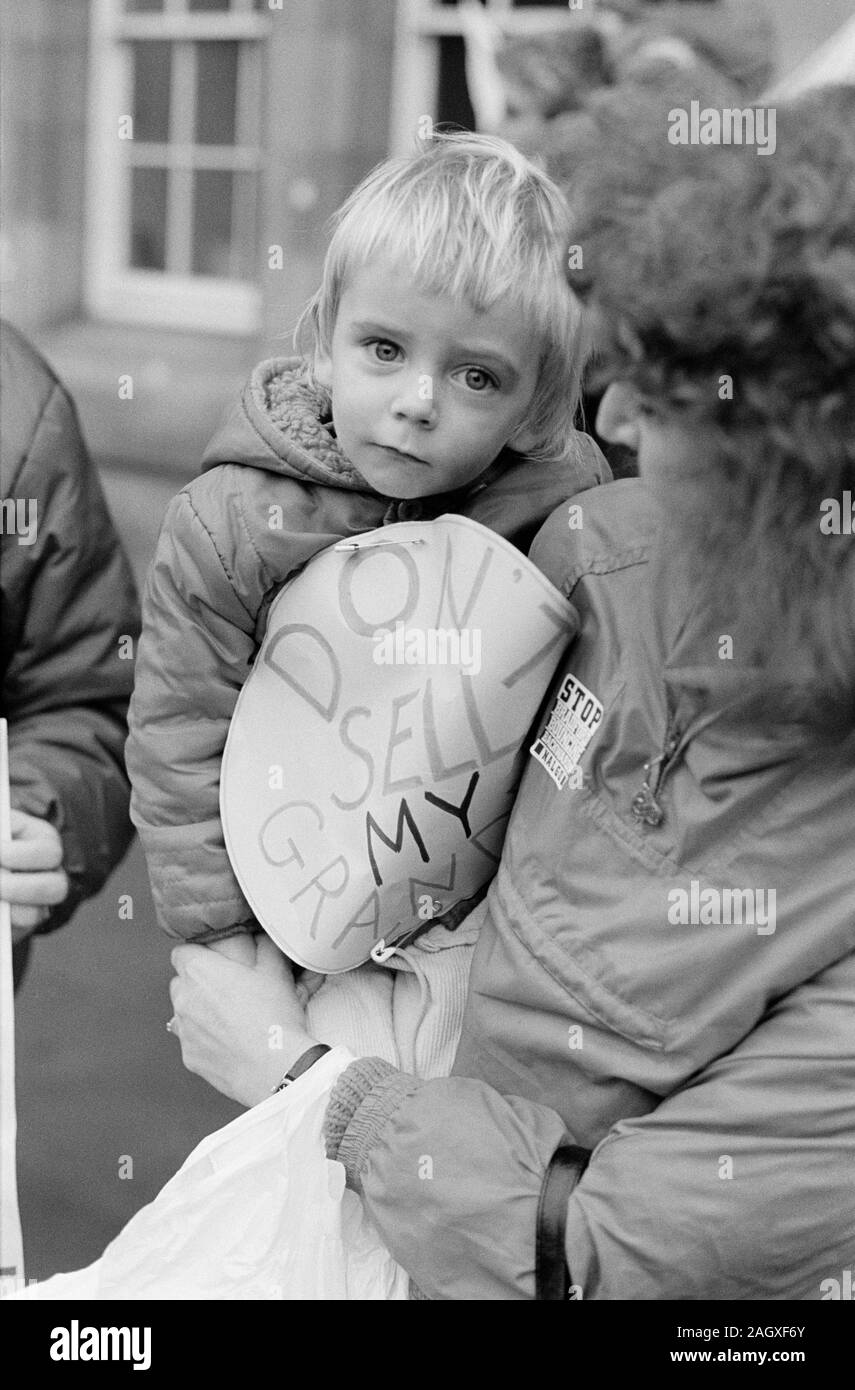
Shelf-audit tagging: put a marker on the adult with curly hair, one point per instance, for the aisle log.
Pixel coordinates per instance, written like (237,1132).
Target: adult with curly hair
(656,1082)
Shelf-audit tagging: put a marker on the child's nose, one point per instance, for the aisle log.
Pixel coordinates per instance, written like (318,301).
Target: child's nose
(617,417)
(414,399)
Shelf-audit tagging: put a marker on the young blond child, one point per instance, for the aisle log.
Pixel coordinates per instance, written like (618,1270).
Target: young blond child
(440,373)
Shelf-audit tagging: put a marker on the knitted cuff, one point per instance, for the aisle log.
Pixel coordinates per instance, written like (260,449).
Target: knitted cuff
(347,1095)
(363,1100)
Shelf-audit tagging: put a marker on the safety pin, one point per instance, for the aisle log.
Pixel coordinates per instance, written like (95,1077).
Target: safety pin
(380,953)
(371,545)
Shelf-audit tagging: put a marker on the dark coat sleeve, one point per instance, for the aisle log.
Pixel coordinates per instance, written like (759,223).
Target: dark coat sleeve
(68,601)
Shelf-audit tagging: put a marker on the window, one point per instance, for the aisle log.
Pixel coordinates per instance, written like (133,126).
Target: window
(434,75)
(175,162)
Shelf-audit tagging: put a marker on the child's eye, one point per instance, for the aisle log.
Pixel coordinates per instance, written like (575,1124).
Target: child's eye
(477,379)
(384,350)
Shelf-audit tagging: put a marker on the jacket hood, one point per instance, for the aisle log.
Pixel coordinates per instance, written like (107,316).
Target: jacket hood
(283,424)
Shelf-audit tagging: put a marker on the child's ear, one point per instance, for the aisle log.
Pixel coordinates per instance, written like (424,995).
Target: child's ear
(322,368)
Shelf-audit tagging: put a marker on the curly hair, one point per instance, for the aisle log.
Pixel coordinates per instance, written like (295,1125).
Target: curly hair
(703,264)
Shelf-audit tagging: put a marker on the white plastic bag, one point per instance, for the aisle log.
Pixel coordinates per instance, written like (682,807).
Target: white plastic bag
(256,1212)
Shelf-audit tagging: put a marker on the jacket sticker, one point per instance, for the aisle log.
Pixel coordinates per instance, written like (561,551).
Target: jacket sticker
(569,729)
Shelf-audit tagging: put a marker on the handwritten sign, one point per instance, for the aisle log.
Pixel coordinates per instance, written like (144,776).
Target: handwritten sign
(376,746)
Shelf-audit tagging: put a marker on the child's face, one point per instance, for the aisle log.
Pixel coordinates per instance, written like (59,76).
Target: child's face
(426,392)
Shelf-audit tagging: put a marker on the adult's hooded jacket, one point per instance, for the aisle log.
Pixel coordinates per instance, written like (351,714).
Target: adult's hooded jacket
(671,986)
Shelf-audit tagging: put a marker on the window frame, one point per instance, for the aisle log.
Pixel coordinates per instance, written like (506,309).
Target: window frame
(420,24)
(114,290)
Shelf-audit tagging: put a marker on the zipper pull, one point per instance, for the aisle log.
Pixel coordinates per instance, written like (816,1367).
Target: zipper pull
(380,952)
(645,807)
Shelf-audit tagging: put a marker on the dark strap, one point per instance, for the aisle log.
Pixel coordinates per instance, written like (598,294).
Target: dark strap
(308,1059)
(552,1279)
(450,919)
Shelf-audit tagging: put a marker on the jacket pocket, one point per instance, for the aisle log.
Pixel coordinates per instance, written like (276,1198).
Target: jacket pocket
(594,954)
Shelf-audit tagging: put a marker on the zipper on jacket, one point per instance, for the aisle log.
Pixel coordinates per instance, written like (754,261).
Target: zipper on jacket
(646,808)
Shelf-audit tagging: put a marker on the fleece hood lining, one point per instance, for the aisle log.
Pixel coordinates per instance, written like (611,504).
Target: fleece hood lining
(292,417)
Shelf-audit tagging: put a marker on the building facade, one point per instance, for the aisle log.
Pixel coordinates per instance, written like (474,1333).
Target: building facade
(169,167)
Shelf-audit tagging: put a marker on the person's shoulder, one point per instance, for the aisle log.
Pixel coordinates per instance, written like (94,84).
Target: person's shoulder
(19,355)
(29,386)
(602,529)
(589,460)
(580,466)
(236,502)
(263,526)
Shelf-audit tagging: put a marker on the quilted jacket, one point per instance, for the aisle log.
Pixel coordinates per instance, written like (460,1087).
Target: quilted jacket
(70,620)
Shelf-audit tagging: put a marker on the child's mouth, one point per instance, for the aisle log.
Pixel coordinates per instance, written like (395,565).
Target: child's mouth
(400,455)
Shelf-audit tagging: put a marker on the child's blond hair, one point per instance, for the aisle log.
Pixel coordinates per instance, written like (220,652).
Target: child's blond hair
(472,217)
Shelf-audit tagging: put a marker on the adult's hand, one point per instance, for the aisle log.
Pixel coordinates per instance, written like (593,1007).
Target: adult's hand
(32,879)
(241,1025)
